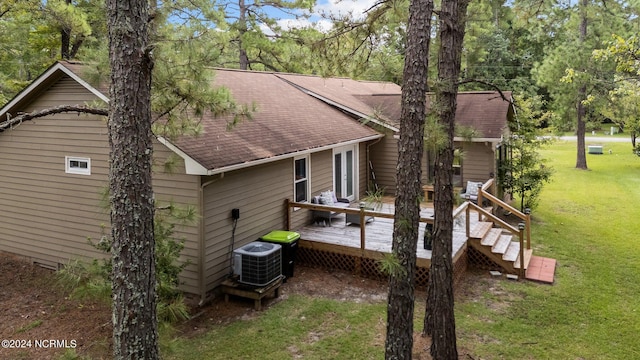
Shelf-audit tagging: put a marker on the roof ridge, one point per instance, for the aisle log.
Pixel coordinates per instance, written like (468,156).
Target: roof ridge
(276,73)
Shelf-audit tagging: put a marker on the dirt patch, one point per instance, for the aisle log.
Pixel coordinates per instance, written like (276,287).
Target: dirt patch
(40,322)
(313,282)
(35,308)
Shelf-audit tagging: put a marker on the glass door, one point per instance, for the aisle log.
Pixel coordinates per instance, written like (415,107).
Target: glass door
(344,172)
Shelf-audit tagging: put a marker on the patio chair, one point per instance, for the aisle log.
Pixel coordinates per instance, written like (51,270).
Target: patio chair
(470,193)
(328,198)
(354,219)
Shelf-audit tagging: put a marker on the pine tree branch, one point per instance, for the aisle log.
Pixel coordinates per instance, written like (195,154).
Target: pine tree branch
(491,85)
(52,111)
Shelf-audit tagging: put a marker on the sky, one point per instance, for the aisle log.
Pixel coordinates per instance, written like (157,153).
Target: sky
(356,8)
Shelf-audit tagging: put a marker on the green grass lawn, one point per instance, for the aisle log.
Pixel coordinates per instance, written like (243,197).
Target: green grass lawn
(298,327)
(587,220)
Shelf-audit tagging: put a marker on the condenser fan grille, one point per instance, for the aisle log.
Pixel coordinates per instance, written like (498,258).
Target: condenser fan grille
(258,263)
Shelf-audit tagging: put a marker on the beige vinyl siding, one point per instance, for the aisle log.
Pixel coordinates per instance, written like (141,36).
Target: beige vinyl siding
(259,193)
(478,162)
(182,190)
(48,215)
(363,171)
(384,157)
(321,172)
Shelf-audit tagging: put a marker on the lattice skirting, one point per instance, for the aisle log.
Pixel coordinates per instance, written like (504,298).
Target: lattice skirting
(481,261)
(367,267)
(460,267)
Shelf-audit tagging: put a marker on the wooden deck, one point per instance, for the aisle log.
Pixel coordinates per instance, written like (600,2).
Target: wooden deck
(378,235)
(492,243)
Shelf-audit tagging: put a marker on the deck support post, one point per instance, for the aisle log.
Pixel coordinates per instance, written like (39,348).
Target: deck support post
(467,221)
(288,214)
(480,200)
(527,213)
(521,226)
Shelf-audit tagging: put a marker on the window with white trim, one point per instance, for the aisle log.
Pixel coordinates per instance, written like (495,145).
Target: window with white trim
(301,179)
(77,165)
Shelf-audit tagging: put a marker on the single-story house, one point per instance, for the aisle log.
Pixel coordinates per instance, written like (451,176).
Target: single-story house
(307,135)
(487,113)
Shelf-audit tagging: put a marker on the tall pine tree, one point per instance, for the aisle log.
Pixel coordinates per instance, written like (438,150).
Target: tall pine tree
(135,326)
(440,319)
(401,299)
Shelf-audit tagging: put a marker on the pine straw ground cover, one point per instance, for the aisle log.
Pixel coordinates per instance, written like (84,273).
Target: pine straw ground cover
(586,220)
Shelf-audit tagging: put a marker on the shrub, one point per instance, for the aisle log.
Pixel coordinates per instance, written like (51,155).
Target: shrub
(93,279)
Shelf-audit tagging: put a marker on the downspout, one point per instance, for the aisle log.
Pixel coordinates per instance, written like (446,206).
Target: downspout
(201,270)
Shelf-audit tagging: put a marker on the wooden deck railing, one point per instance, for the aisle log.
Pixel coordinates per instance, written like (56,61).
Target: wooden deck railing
(523,231)
(483,194)
(362,211)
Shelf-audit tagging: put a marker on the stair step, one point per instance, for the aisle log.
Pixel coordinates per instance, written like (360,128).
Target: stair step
(528,253)
(512,251)
(480,230)
(491,237)
(500,247)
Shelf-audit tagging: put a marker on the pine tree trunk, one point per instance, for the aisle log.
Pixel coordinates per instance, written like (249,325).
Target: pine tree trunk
(399,341)
(65,43)
(581,158)
(242,20)
(65,39)
(131,196)
(439,317)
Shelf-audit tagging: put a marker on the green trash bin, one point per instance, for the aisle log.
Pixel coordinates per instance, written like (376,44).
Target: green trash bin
(289,242)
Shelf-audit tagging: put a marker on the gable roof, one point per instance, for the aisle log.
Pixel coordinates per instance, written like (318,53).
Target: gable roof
(287,122)
(484,111)
(380,102)
(349,95)
(54,73)
(292,116)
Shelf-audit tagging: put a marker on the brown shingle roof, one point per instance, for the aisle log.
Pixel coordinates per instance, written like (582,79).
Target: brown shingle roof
(347,93)
(484,111)
(286,121)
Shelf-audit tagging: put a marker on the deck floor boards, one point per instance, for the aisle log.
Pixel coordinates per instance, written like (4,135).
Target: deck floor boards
(378,233)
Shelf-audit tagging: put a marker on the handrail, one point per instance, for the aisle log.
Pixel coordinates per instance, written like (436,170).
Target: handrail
(495,219)
(487,185)
(524,228)
(363,211)
(460,209)
(519,232)
(526,217)
(503,204)
(465,207)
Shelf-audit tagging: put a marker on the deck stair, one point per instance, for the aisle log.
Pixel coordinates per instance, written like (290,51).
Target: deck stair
(499,245)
